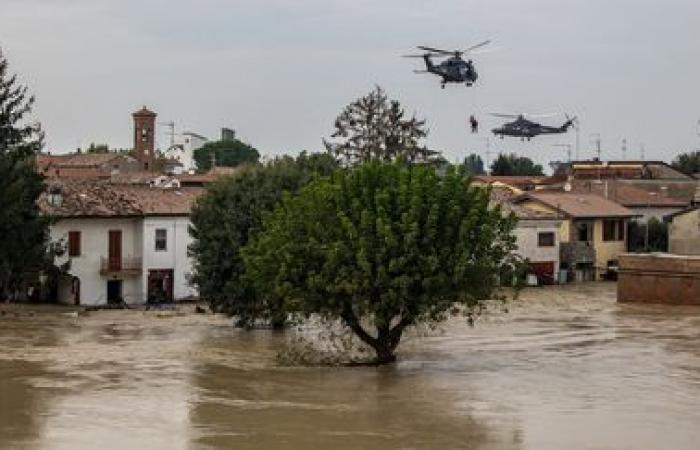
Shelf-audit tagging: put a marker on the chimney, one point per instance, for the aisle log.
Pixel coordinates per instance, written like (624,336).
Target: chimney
(144,137)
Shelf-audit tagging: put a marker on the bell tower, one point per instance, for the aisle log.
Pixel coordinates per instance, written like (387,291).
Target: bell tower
(144,137)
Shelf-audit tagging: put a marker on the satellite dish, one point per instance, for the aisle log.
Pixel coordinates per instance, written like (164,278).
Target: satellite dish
(567,187)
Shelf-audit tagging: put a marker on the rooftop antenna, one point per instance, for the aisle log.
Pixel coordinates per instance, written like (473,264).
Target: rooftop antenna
(170,133)
(641,151)
(595,139)
(624,149)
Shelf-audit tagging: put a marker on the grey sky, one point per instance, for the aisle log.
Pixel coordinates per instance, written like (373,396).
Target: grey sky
(280,71)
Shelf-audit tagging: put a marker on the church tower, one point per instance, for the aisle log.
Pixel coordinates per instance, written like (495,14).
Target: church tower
(145,137)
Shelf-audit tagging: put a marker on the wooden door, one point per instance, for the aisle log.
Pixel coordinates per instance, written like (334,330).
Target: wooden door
(115,250)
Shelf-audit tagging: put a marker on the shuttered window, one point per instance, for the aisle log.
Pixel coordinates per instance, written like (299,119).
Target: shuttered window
(74,243)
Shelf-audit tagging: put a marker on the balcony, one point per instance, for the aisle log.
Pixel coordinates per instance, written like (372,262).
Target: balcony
(577,252)
(121,266)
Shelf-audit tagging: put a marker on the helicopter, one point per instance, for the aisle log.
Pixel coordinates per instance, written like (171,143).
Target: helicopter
(527,129)
(454,69)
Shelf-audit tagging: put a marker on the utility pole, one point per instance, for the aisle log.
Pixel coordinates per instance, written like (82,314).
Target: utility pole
(624,149)
(488,154)
(641,152)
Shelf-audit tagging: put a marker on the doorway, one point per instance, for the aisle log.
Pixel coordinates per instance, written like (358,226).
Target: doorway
(114,292)
(160,286)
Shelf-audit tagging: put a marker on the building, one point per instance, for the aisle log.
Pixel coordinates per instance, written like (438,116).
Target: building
(684,232)
(536,233)
(521,183)
(145,137)
(125,242)
(86,165)
(593,230)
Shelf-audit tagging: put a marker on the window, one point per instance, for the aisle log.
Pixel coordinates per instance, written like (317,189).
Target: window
(545,239)
(584,231)
(74,243)
(613,230)
(161,240)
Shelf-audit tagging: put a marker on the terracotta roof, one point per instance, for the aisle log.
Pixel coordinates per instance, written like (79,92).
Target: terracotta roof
(504,198)
(629,195)
(100,198)
(577,205)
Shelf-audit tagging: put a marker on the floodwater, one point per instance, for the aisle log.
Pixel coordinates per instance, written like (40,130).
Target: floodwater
(564,368)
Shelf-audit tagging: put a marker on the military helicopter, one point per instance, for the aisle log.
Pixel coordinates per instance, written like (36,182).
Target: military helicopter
(454,69)
(527,129)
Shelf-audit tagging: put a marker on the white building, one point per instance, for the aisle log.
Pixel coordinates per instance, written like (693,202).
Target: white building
(183,151)
(537,235)
(124,242)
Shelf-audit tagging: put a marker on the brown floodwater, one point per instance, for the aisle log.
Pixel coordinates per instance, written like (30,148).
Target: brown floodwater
(564,368)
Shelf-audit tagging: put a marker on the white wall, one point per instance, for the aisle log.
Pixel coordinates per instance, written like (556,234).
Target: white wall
(526,233)
(94,245)
(174,257)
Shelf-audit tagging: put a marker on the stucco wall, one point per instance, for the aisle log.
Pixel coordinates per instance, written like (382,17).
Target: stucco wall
(526,234)
(606,250)
(659,278)
(94,246)
(684,234)
(174,257)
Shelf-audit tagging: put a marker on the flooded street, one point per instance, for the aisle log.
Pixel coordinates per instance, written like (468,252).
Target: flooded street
(564,368)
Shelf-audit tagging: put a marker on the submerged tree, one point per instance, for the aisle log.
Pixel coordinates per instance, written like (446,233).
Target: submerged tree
(382,248)
(23,230)
(221,222)
(374,128)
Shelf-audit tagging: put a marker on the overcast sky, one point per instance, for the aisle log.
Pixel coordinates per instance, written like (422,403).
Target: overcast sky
(279,71)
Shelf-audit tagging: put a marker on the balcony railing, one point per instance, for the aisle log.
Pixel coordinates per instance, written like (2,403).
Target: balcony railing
(577,252)
(123,266)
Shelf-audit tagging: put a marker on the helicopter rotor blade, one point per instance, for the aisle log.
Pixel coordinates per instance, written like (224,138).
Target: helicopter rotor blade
(479,45)
(506,116)
(412,56)
(435,50)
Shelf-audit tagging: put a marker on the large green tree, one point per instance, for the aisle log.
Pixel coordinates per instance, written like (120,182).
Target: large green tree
(221,221)
(375,128)
(225,153)
(514,165)
(382,248)
(23,230)
(688,163)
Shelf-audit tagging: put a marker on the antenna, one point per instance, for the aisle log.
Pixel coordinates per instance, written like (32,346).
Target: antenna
(595,139)
(488,154)
(641,151)
(170,133)
(624,149)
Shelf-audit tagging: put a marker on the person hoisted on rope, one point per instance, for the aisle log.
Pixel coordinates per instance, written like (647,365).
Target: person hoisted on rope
(474,124)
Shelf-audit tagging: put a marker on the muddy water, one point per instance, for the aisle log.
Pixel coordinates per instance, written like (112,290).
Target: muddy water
(564,368)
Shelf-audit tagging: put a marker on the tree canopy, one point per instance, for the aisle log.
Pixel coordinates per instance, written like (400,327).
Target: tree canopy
(514,165)
(23,230)
(381,248)
(474,165)
(225,153)
(222,219)
(688,163)
(375,128)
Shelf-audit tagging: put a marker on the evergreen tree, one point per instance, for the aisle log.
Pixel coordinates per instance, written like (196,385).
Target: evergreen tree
(23,230)
(374,128)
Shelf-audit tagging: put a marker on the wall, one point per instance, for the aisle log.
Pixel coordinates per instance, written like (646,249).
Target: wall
(606,250)
(654,211)
(659,278)
(94,246)
(174,257)
(526,234)
(684,234)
